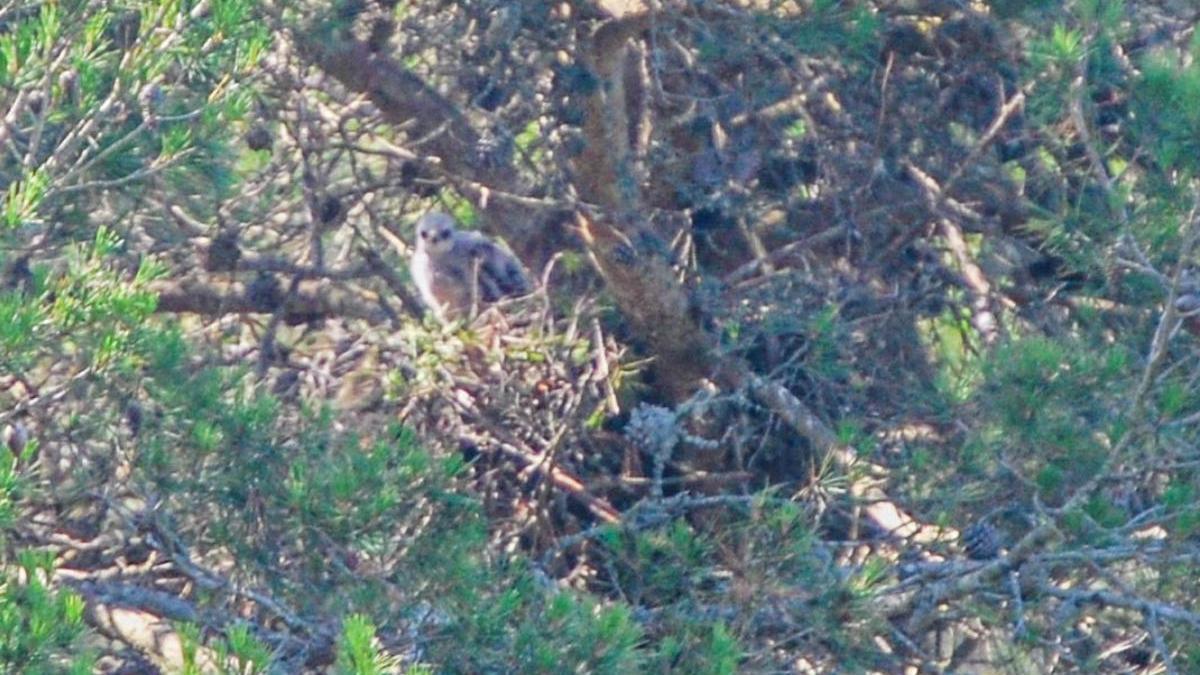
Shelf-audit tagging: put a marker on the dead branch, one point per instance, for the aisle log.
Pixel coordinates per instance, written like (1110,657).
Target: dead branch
(313,300)
(142,618)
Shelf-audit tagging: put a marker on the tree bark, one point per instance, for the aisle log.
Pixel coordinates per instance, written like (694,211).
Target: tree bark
(639,278)
(403,98)
(313,300)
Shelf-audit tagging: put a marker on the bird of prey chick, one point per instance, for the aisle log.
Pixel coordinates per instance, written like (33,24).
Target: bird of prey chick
(457,271)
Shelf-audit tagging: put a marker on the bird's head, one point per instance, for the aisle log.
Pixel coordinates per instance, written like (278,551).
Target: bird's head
(435,232)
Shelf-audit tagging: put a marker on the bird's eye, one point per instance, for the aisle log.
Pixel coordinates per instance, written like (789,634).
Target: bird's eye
(424,235)
(445,234)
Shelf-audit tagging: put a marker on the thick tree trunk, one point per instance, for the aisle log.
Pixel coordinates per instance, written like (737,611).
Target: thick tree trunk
(639,278)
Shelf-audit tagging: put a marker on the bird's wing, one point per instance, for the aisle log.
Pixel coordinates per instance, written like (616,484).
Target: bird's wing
(504,272)
(500,274)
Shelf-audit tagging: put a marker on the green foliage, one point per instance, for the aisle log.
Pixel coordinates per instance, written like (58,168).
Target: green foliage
(10,485)
(40,628)
(90,293)
(827,336)
(337,515)
(674,568)
(462,209)
(24,196)
(189,641)
(578,631)
(357,651)
(245,654)
(1012,8)
(262,479)
(1106,13)
(75,73)
(833,27)
(952,341)
(238,652)
(1165,121)
(1050,402)
(525,142)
